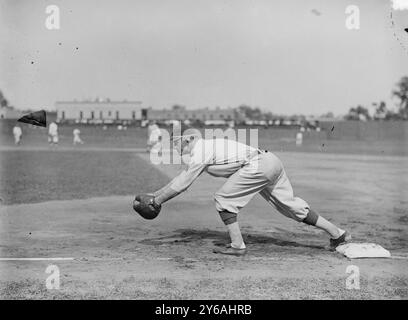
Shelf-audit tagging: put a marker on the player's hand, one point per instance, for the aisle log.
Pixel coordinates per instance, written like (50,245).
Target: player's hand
(145,205)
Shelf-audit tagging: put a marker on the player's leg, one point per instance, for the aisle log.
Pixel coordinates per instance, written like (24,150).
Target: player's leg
(237,191)
(77,140)
(55,140)
(280,195)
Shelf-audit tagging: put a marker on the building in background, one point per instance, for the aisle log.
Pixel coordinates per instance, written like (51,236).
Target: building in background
(99,111)
(204,115)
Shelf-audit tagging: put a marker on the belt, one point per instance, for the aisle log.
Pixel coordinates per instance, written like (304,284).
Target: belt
(256,153)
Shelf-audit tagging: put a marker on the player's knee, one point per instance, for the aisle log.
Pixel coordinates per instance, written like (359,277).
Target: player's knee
(311,218)
(228,217)
(217,199)
(220,203)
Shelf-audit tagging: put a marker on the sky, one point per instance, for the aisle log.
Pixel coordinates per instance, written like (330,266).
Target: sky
(284,56)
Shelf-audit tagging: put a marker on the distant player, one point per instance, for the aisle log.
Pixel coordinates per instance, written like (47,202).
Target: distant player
(154,138)
(77,138)
(18,133)
(248,171)
(299,139)
(53,134)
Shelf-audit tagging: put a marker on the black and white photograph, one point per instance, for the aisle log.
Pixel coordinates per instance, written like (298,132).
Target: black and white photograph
(203,150)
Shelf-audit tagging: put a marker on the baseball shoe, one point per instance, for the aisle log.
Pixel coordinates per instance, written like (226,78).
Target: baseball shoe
(231,251)
(345,237)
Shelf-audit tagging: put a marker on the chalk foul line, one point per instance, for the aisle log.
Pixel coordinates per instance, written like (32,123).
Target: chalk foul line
(37,259)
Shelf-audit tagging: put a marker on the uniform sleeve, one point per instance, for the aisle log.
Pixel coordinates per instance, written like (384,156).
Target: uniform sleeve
(200,159)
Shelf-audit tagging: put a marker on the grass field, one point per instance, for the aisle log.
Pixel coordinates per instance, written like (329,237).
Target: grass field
(37,176)
(76,203)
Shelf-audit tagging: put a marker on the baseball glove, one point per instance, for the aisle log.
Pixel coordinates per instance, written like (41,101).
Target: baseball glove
(145,205)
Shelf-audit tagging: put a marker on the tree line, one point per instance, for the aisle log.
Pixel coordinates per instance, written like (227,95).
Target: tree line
(382,112)
(3,100)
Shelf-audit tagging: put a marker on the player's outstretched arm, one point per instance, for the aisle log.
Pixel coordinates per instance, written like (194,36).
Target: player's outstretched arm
(179,184)
(160,191)
(165,195)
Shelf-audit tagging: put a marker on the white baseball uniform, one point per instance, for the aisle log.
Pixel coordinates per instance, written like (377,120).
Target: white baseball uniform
(155,134)
(299,138)
(17,132)
(77,138)
(249,171)
(53,133)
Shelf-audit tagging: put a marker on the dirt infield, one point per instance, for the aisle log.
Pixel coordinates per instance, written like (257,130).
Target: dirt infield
(116,254)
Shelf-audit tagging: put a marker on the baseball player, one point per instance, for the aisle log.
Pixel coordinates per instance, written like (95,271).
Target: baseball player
(77,138)
(154,138)
(18,133)
(248,171)
(299,139)
(53,134)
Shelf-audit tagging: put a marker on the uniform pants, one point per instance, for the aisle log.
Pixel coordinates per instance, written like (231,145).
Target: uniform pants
(52,138)
(77,139)
(265,174)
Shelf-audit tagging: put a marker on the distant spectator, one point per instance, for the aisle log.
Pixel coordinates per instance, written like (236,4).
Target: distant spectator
(18,133)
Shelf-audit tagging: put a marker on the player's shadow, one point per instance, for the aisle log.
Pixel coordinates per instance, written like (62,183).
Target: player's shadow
(219,238)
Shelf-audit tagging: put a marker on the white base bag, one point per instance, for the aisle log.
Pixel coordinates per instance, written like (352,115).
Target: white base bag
(363,250)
